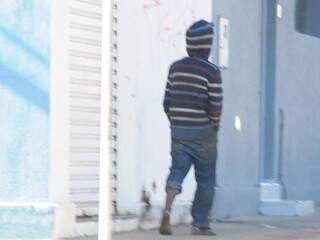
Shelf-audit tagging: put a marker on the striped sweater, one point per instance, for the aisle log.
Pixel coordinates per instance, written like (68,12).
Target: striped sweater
(193,95)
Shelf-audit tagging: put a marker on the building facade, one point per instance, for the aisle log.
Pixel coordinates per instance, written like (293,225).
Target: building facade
(50,84)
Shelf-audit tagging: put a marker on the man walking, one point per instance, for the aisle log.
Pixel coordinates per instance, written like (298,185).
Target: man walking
(193,104)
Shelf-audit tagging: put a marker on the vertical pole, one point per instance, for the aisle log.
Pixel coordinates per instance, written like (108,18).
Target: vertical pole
(105,186)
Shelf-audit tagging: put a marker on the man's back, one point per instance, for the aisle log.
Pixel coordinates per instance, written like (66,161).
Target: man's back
(193,104)
(193,98)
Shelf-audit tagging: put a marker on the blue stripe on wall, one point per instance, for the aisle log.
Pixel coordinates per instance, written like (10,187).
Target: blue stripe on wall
(24,88)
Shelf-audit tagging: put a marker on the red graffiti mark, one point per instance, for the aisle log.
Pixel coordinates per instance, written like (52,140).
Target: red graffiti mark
(167,29)
(152,4)
(193,16)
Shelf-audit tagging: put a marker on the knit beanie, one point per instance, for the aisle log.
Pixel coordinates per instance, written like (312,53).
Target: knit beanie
(199,38)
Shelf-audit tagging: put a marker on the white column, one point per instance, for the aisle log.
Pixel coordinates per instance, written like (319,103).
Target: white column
(59,122)
(105,186)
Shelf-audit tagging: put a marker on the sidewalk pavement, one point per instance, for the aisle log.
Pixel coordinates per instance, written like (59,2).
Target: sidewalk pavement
(249,228)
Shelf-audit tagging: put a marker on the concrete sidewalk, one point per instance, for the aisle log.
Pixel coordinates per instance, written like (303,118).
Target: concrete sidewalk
(250,228)
(229,232)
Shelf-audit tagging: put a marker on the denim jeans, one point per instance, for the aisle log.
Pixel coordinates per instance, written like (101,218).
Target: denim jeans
(202,154)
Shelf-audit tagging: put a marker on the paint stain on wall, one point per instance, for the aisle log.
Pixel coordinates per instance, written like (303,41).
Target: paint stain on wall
(151,4)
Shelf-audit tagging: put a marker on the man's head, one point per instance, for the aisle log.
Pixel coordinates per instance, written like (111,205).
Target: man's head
(199,39)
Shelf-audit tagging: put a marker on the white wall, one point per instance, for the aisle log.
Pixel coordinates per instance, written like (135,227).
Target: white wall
(151,37)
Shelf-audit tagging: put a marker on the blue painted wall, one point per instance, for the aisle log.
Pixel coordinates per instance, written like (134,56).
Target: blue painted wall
(297,93)
(24,108)
(238,161)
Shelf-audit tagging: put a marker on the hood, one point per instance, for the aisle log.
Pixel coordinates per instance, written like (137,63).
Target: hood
(199,38)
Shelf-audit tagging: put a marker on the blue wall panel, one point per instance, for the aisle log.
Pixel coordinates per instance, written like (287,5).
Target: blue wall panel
(24,99)
(238,162)
(298,89)
(296,93)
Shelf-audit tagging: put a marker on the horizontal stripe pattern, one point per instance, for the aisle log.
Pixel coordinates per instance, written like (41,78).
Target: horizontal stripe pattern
(193,96)
(215,103)
(213,94)
(188,93)
(200,28)
(190,85)
(199,67)
(205,46)
(187,110)
(215,85)
(202,37)
(192,44)
(190,119)
(188,75)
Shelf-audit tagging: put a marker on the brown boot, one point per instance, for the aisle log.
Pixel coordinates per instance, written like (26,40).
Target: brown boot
(202,232)
(165,228)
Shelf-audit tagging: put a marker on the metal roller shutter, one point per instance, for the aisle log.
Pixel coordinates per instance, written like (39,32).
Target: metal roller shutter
(85,19)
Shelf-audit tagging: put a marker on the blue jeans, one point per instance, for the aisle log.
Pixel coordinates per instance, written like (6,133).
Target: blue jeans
(202,154)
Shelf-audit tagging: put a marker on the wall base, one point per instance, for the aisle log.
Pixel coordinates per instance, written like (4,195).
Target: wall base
(270,191)
(64,220)
(26,220)
(130,222)
(236,201)
(272,203)
(287,208)
(86,228)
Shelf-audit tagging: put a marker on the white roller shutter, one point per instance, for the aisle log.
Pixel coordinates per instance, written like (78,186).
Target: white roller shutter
(84,78)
